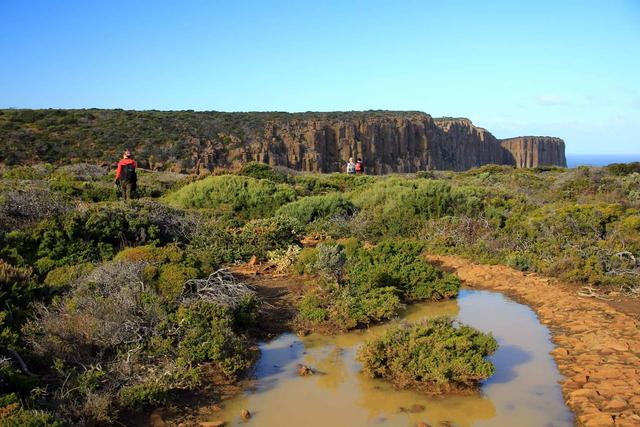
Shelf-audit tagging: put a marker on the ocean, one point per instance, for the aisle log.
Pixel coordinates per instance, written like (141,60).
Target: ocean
(574,160)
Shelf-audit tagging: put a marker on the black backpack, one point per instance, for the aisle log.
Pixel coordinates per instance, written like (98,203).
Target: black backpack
(128,174)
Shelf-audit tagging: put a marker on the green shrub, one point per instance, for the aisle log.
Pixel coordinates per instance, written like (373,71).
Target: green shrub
(215,242)
(400,264)
(91,235)
(435,356)
(259,170)
(157,184)
(246,312)
(209,336)
(398,207)
(284,259)
(63,277)
(622,169)
(167,267)
(260,236)
(520,262)
(313,208)
(29,418)
(172,279)
(234,196)
(315,184)
(27,172)
(146,394)
(333,308)
(18,290)
(306,261)
(86,191)
(377,280)
(426,174)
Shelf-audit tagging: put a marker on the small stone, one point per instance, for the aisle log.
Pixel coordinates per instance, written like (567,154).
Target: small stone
(304,370)
(560,352)
(616,404)
(155,419)
(597,420)
(218,423)
(583,392)
(245,414)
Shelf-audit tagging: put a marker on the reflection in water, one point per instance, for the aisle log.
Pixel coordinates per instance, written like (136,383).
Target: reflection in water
(524,391)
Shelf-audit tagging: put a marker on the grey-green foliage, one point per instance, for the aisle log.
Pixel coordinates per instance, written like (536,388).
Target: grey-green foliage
(331,260)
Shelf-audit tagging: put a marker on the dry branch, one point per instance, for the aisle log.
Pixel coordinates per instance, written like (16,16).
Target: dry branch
(220,287)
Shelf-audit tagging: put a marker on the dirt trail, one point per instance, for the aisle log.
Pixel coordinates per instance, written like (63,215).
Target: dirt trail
(280,292)
(597,347)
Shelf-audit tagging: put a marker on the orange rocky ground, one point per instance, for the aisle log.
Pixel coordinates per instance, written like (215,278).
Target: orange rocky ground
(597,345)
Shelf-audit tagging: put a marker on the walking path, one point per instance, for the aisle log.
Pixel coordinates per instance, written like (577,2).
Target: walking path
(597,347)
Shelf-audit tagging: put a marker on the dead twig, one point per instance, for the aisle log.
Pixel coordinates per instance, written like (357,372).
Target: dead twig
(220,287)
(589,292)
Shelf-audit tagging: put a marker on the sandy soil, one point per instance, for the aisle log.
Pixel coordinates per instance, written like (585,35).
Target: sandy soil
(597,343)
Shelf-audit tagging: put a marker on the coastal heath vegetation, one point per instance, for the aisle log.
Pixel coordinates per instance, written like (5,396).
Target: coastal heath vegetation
(73,258)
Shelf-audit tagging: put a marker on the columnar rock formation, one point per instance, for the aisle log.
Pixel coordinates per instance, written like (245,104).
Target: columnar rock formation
(531,151)
(406,142)
(189,141)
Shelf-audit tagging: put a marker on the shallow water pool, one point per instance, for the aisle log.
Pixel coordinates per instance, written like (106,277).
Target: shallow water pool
(523,392)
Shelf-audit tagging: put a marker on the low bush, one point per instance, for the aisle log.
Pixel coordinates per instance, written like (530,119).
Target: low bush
(333,308)
(308,184)
(284,259)
(621,169)
(23,207)
(81,172)
(62,277)
(158,184)
(232,195)
(114,341)
(90,235)
(314,208)
(260,236)
(366,285)
(259,170)
(436,356)
(40,171)
(306,261)
(330,261)
(208,335)
(18,291)
(398,207)
(87,191)
(19,417)
(400,264)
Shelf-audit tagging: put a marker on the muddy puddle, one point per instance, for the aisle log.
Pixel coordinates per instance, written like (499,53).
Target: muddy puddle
(523,392)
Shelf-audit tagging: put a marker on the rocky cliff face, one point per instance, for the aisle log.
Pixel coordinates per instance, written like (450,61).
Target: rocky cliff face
(387,141)
(532,151)
(406,142)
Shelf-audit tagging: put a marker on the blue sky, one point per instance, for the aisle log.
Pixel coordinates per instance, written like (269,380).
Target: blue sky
(562,68)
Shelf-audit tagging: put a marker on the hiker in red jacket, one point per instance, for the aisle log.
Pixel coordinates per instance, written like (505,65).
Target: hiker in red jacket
(126,178)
